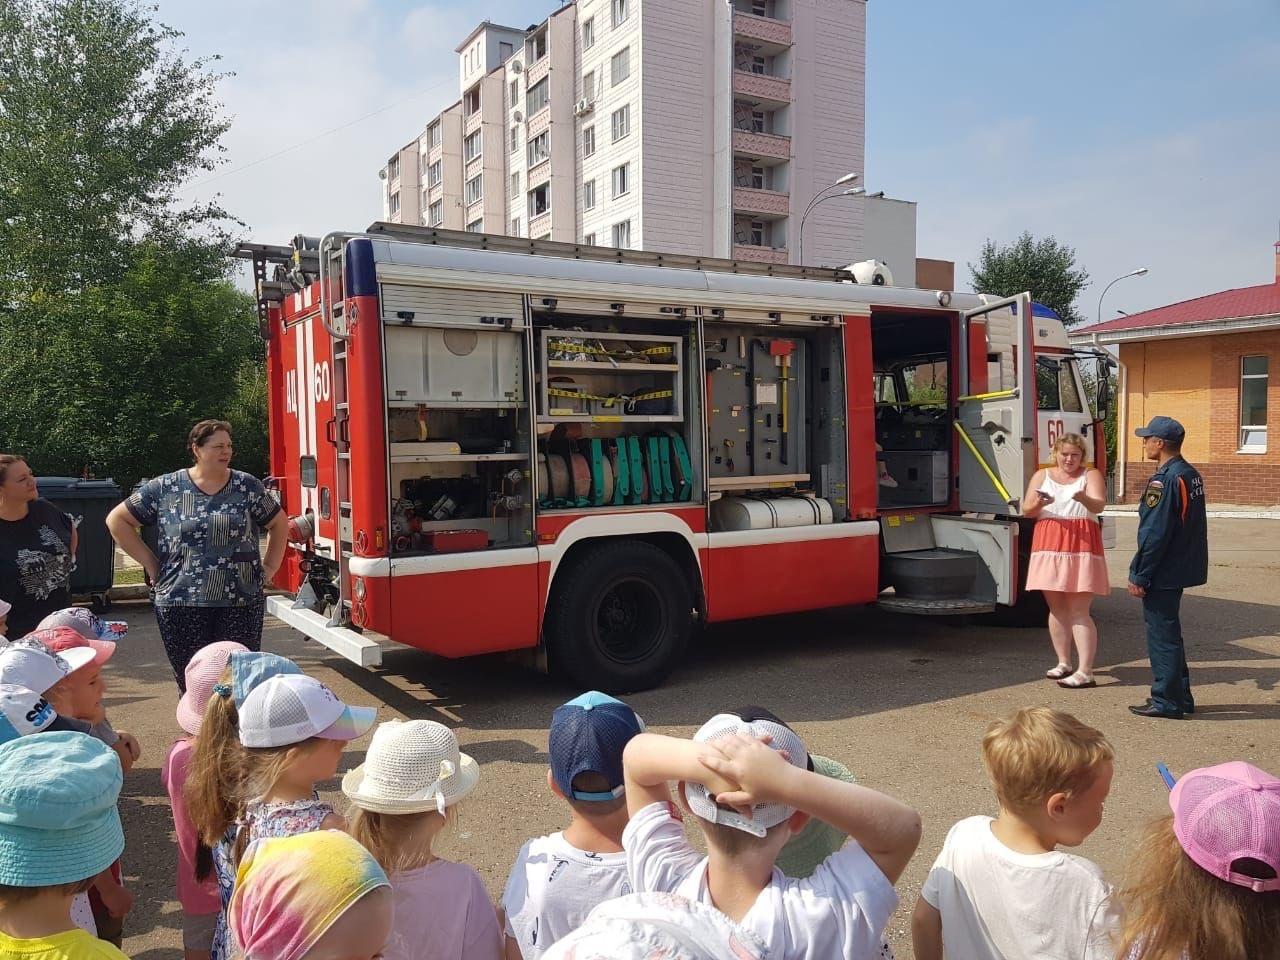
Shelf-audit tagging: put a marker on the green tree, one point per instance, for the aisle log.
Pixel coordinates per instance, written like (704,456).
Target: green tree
(1045,267)
(101,121)
(119,323)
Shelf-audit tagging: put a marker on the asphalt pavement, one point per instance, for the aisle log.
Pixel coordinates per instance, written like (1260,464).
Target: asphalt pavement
(902,702)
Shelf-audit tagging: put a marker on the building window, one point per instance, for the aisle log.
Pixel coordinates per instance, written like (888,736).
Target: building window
(588,33)
(761,8)
(760,65)
(515,139)
(433,174)
(589,85)
(515,184)
(589,239)
(588,194)
(620,10)
(759,233)
(393,168)
(759,122)
(621,122)
(759,178)
(471,147)
(433,135)
(515,92)
(475,189)
(537,46)
(539,200)
(515,227)
(621,180)
(539,95)
(423,203)
(540,148)
(476,225)
(622,234)
(1253,404)
(471,100)
(588,141)
(505,50)
(436,215)
(394,203)
(620,66)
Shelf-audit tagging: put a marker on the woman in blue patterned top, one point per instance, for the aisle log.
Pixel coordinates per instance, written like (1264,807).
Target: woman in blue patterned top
(208,573)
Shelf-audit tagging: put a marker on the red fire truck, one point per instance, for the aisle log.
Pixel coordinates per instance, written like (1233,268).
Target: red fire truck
(493,444)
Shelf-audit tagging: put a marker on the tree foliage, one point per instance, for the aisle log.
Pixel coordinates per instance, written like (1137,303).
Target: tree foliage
(119,324)
(1045,267)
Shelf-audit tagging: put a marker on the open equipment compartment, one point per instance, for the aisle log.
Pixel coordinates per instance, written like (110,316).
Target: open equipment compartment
(612,399)
(776,436)
(458,422)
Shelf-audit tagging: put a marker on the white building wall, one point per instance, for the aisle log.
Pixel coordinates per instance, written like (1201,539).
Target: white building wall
(827,125)
(890,235)
(675,139)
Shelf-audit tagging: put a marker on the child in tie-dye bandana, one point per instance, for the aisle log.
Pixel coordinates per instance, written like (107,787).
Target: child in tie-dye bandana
(320,895)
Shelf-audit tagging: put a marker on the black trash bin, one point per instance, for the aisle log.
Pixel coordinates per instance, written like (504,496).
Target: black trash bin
(87,502)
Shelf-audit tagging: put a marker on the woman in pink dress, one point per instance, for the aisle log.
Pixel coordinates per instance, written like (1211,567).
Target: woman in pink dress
(1067,561)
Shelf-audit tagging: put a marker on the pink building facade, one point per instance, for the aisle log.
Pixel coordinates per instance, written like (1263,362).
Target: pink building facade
(690,127)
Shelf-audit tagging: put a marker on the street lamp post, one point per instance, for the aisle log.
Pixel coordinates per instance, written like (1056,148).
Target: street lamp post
(852,192)
(818,198)
(1140,272)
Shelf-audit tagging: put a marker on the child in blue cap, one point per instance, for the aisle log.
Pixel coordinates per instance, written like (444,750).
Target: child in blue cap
(59,829)
(558,879)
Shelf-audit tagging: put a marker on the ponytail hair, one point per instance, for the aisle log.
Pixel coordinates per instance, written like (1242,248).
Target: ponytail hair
(213,791)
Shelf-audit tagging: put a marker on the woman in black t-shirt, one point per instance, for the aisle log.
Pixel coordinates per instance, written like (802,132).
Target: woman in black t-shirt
(37,549)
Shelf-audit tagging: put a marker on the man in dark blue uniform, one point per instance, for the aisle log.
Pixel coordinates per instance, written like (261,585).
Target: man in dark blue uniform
(1173,553)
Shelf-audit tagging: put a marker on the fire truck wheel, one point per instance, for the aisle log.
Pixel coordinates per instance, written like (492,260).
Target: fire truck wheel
(619,618)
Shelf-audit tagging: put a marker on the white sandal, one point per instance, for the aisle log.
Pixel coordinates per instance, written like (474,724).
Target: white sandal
(1060,672)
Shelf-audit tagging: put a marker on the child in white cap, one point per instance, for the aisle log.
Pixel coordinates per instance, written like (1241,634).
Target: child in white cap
(404,794)
(746,783)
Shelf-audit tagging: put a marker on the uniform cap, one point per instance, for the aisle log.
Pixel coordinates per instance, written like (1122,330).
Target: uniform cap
(1227,813)
(763,815)
(588,735)
(1162,428)
(291,708)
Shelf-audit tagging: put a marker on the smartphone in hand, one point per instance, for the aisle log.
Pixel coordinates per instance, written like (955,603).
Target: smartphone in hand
(1044,497)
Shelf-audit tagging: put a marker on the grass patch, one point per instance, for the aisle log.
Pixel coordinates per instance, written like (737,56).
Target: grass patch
(129,577)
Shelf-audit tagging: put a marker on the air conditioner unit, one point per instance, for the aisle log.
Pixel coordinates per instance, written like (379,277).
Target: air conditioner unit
(517,116)
(516,66)
(584,106)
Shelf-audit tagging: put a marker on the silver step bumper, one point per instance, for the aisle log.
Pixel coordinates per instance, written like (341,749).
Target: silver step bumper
(355,647)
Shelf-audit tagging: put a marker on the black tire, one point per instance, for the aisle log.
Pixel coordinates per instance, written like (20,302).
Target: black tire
(1031,608)
(619,619)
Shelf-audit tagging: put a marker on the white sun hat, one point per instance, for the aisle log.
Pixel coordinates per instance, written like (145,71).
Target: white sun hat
(412,766)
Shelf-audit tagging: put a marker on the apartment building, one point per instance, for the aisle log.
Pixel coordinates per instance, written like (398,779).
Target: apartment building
(691,127)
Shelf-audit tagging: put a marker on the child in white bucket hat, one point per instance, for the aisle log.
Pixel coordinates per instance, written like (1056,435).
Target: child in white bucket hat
(404,793)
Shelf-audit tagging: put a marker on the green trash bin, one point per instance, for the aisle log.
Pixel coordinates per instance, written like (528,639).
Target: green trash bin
(87,502)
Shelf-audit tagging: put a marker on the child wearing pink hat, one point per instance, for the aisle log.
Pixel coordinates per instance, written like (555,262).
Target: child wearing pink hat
(1206,879)
(201,902)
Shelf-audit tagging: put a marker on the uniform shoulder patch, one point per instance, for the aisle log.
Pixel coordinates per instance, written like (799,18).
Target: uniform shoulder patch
(1154,493)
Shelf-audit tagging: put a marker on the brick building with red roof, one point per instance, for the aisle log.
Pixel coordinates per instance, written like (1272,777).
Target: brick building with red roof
(1207,362)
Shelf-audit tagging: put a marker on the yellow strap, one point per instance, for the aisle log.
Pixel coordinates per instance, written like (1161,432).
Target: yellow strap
(998,395)
(1004,494)
(617,398)
(572,346)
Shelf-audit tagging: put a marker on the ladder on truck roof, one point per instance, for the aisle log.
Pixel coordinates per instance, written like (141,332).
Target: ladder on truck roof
(499,243)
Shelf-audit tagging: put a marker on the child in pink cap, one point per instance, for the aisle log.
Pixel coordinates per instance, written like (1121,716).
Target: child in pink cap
(1206,879)
(200,899)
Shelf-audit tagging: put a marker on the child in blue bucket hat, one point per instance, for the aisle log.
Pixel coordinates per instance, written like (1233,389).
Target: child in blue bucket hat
(59,829)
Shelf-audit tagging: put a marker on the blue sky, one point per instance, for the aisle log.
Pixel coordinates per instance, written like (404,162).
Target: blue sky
(1141,132)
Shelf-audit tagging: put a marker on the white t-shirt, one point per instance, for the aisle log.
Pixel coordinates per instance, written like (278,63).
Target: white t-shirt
(553,886)
(839,911)
(998,904)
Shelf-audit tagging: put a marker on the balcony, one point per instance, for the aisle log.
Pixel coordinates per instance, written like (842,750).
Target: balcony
(774,35)
(758,254)
(537,70)
(762,89)
(472,123)
(761,146)
(766,204)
